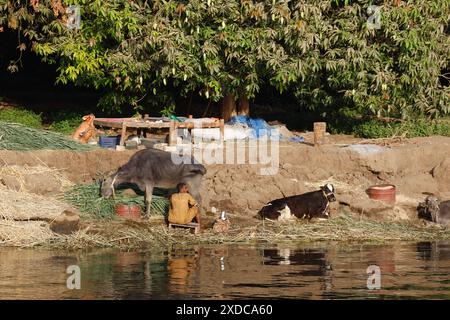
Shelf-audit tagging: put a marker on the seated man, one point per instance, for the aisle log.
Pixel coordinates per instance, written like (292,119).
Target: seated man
(183,207)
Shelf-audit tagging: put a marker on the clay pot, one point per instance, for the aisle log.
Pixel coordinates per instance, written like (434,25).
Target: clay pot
(383,192)
(129,211)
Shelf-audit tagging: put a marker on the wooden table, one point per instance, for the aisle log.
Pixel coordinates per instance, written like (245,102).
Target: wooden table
(173,126)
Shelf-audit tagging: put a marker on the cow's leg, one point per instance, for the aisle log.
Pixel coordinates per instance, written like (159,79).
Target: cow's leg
(148,197)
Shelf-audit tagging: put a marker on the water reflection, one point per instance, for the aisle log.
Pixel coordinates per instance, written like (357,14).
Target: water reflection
(182,263)
(433,251)
(316,271)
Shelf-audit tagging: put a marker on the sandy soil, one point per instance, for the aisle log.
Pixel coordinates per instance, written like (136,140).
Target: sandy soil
(416,166)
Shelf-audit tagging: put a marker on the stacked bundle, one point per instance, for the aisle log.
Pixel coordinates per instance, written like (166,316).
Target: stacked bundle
(15,136)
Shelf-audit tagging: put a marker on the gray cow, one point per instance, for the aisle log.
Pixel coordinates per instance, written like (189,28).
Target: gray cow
(435,210)
(151,168)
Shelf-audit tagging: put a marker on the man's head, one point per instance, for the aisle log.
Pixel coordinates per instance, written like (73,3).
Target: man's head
(182,187)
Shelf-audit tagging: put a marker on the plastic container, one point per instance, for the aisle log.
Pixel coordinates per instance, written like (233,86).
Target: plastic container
(129,211)
(383,192)
(109,141)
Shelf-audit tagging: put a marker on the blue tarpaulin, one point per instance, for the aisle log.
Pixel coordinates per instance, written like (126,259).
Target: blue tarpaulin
(261,128)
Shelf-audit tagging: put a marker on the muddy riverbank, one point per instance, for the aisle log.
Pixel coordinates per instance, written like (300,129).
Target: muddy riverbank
(415,166)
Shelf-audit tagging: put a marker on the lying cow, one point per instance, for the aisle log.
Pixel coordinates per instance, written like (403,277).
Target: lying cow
(435,210)
(151,168)
(315,204)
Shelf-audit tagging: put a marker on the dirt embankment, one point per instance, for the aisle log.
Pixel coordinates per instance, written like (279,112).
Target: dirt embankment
(415,166)
(78,167)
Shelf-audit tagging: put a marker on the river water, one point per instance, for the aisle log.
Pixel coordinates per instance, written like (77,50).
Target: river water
(292,271)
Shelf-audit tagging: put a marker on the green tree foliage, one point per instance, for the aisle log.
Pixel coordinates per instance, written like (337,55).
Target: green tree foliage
(322,50)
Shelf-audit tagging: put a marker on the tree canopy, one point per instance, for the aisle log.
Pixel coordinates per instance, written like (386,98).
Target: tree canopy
(324,51)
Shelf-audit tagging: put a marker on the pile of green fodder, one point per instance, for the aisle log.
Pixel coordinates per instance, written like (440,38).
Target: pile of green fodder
(14,136)
(87,199)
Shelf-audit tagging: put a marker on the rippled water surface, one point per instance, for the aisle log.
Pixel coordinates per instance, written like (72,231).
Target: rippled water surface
(292,271)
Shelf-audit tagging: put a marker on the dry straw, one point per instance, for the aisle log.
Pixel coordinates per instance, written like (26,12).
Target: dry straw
(24,233)
(21,174)
(151,234)
(132,235)
(19,205)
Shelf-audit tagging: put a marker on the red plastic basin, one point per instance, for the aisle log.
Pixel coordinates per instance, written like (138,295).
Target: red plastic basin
(128,211)
(383,192)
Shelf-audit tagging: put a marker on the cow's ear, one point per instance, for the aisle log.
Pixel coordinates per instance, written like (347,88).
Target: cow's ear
(330,187)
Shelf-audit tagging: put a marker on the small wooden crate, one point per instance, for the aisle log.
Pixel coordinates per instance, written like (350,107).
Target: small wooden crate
(191,225)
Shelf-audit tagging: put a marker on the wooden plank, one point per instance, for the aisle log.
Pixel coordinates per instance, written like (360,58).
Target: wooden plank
(173,133)
(192,125)
(152,124)
(109,124)
(222,131)
(123,134)
(187,225)
(143,124)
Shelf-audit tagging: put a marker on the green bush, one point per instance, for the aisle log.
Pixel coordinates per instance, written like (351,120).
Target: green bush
(65,121)
(409,129)
(22,116)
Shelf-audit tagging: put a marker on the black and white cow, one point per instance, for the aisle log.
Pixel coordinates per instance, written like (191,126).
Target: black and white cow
(315,204)
(151,168)
(435,210)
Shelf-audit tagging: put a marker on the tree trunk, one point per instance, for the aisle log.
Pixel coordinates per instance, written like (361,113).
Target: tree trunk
(228,109)
(244,106)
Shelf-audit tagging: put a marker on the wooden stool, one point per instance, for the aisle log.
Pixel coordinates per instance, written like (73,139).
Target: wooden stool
(191,225)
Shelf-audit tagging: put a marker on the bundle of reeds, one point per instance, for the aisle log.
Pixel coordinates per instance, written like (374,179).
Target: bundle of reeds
(87,199)
(15,136)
